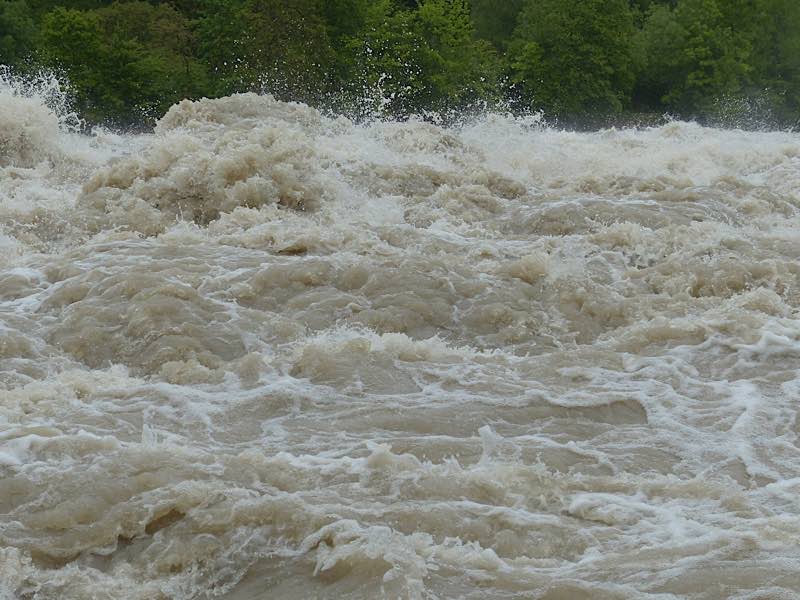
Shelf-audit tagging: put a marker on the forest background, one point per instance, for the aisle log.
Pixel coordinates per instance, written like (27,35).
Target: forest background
(578,62)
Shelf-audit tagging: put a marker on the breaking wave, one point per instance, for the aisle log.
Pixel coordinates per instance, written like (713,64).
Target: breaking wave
(263,352)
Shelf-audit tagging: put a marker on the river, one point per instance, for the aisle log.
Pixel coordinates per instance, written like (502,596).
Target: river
(267,353)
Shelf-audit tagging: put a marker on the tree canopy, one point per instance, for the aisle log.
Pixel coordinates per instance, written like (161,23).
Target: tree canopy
(574,56)
(130,59)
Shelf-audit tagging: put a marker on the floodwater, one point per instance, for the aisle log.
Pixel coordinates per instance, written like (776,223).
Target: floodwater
(264,353)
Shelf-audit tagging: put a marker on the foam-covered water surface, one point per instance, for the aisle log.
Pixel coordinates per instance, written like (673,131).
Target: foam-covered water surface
(265,353)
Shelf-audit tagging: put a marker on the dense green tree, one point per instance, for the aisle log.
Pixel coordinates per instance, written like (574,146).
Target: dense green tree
(346,18)
(574,57)
(125,60)
(427,58)
(191,9)
(695,55)
(461,68)
(271,45)
(163,32)
(389,62)
(661,33)
(570,58)
(495,21)
(645,5)
(18,31)
(73,40)
(40,7)
(776,56)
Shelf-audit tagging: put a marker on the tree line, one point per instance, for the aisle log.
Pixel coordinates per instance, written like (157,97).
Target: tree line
(571,59)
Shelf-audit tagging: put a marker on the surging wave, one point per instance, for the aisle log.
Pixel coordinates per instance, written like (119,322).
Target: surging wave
(263,352)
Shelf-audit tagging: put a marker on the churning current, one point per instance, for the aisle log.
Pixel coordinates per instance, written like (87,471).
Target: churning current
(265,353)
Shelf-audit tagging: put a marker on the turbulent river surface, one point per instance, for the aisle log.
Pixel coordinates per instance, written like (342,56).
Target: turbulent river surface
(265,353)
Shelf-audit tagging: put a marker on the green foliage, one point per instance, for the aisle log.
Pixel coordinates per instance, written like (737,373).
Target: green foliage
(460,68)
(776,56)
(428,58)
(272,45)
(346,18)
(40,7)
(695,54)
(390,60)
(574,57)
(17,32)
(495,21)
(126,59)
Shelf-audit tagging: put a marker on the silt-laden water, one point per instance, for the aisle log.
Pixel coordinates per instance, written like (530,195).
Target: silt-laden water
(264,353)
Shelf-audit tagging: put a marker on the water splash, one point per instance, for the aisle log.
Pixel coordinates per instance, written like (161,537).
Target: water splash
(267,352)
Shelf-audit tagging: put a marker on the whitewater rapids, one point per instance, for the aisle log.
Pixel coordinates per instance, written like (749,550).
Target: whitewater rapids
(265,353)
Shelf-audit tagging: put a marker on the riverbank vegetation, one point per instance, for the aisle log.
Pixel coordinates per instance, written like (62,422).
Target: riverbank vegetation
(574,60)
